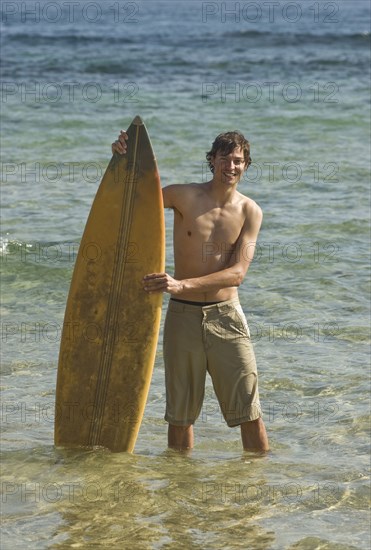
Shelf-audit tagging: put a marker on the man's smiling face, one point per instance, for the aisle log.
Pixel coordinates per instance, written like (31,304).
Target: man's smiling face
(229,168)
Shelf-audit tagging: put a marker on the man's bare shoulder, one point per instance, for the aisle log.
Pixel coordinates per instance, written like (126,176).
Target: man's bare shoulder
(250,207)
(176,193)
(183,188)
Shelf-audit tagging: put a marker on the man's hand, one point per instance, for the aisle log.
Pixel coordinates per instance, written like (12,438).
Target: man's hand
(119,146)
(162,282)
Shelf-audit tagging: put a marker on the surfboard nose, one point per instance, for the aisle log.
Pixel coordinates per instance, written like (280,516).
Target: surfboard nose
(137,121)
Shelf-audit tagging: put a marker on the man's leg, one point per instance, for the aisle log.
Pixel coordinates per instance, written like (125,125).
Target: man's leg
(180,438)
(254,436)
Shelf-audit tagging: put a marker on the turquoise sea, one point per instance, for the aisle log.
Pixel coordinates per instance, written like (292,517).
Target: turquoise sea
(294,78)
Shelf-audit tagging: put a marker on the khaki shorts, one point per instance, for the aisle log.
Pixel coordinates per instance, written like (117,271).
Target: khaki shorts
(213,338)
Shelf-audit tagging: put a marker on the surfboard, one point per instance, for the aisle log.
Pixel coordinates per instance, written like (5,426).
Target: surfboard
(111,325)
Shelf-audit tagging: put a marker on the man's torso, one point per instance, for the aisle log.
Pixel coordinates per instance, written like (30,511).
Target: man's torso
(205,236)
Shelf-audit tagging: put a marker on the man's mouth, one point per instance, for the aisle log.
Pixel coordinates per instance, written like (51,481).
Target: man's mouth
(230,174)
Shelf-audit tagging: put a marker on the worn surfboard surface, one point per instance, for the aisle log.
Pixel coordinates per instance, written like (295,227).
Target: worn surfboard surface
(111,324)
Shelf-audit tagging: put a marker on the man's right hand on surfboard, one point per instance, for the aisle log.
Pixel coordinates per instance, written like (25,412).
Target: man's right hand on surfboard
(119,146)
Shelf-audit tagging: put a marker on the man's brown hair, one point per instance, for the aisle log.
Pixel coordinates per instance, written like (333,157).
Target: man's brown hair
(226,143)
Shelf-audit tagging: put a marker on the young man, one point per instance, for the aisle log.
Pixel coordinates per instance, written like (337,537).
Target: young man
(215,233)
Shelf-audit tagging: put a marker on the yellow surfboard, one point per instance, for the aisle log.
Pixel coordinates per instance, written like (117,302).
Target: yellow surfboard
(111,324)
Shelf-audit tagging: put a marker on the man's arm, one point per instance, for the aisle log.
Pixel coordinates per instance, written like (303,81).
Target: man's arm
(172,194)
(232,276)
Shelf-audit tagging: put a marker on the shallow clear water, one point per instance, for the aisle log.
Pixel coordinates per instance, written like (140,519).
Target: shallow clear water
(295,81)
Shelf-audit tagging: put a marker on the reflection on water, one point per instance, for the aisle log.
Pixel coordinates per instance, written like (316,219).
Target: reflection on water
(140,501)
(96,498)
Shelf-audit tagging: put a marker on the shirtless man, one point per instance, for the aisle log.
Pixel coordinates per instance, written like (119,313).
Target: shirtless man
(215,233)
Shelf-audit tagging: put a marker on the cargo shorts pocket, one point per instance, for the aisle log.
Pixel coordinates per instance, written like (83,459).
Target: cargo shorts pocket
(242,325)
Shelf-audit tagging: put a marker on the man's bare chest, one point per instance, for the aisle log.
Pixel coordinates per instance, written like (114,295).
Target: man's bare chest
(213,225)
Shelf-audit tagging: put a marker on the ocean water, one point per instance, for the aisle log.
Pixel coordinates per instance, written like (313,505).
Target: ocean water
(294,77)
